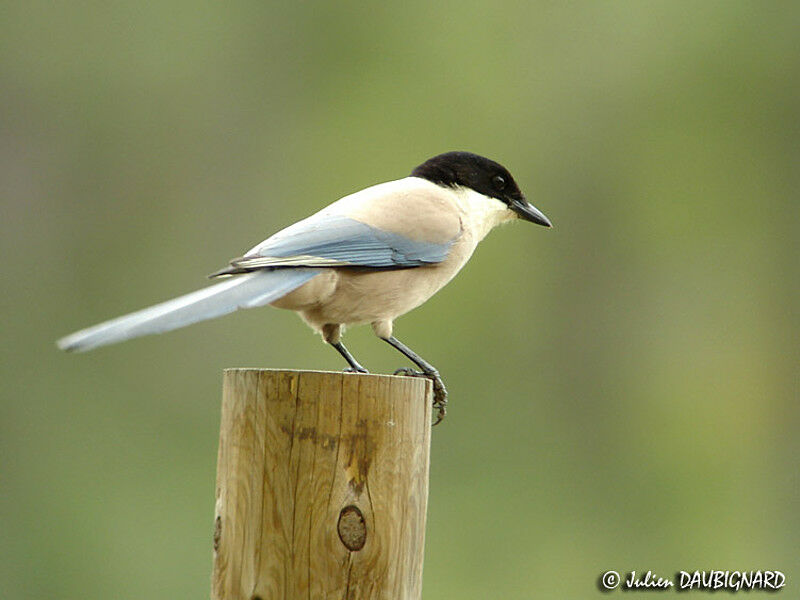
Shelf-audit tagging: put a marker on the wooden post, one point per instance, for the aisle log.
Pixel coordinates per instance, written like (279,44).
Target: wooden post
(322,486)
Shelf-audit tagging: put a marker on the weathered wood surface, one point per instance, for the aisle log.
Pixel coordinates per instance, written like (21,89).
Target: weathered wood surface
(322,486)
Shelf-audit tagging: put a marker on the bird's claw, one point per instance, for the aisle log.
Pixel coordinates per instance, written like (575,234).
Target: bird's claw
(354,370)
(439,398)
(439,391)
(409,372)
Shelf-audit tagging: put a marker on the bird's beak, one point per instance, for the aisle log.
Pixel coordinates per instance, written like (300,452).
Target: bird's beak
(529,212)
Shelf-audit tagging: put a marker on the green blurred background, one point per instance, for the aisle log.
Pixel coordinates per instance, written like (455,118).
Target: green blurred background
(624,387)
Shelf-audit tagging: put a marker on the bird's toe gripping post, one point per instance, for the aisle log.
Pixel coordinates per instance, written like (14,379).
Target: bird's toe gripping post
(439,390)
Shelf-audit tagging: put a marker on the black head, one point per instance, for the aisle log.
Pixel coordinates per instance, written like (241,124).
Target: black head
(482,175)
(470,170)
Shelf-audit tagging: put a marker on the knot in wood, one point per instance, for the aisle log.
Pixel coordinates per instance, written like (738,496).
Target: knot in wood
(217,532)
(352,528)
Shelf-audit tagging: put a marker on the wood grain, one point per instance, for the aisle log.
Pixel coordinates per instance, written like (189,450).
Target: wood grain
(322,485)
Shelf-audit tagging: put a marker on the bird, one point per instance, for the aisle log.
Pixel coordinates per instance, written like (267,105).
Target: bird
(368,257)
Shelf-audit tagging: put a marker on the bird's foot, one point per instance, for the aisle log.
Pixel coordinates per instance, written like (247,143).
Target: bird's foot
(355,370)
(439,390)
(409,372)
(439,398)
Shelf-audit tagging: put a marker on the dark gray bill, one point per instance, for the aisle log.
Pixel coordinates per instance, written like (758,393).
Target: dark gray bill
(529,212)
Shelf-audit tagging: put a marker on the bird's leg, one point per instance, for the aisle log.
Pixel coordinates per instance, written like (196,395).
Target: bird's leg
(332,333)
(355,367)
(429,371)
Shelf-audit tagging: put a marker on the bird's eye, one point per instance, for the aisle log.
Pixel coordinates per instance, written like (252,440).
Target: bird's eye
(499,182)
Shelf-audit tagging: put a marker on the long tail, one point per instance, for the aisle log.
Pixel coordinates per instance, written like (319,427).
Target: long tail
(245,291)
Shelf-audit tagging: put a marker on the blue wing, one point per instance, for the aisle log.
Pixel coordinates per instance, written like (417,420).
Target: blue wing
(331,240)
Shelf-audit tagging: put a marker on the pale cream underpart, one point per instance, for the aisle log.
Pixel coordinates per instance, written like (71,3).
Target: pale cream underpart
(417,209)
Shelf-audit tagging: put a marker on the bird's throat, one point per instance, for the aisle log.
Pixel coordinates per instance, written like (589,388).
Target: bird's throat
(480,214)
